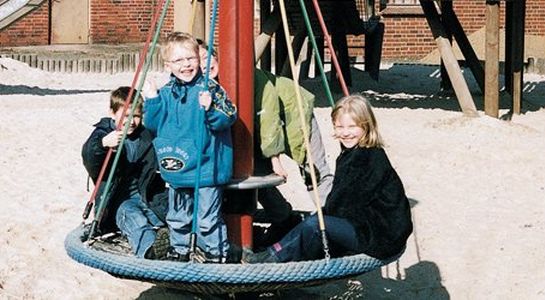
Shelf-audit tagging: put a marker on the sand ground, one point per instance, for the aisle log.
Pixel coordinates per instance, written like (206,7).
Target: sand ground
(477,187)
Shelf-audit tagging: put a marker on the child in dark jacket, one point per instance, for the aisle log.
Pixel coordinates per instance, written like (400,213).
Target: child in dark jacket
(138,194)
(366,211)
(172,113)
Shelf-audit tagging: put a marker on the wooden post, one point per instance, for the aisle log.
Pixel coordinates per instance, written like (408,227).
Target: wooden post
(264,13)
(446,9)
(465,46)
(492,56)
(518,53)
(451,63)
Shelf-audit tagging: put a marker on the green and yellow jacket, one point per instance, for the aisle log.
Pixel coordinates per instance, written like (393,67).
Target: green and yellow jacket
(277,116)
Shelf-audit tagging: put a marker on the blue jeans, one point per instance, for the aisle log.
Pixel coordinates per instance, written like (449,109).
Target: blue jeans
(304,242)
(138,222)
(211,230)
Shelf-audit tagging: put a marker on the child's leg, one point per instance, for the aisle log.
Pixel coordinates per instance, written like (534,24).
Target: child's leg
(180,211)
(304,242)
(212,235)
(137,221)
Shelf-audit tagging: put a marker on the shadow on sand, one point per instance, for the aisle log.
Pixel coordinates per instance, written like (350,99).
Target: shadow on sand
(419,281)
(418,86)
(37,91)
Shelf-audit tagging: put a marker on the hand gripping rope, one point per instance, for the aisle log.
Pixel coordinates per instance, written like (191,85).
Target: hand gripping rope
(145,56)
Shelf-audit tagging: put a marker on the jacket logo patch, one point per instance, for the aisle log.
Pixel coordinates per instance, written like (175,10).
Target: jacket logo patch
(171,164)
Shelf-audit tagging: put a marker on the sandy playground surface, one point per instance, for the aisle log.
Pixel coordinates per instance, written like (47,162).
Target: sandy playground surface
(477,186)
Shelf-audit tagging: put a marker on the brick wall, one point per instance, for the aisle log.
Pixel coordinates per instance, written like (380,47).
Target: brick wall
(30,30)
(124,21)
(407,36)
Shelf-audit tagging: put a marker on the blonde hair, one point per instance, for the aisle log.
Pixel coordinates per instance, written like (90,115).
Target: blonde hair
(181,39)
(361,112)
(118,97)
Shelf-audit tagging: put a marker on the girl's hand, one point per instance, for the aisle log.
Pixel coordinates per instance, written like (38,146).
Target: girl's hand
(205,99)
(277,166)
(112,139)
(149,89)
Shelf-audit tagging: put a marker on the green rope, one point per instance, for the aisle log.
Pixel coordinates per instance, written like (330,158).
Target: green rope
(316,53)
(102,204)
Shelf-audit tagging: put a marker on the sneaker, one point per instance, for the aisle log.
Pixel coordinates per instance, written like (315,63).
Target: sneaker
(160,246)
(249,257)
(174,255)
(199,256)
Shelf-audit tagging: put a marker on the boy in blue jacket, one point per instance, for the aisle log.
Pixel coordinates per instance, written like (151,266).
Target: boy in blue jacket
(172,113)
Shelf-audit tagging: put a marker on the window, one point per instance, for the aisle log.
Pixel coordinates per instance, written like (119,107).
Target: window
(403,2)
(400,7)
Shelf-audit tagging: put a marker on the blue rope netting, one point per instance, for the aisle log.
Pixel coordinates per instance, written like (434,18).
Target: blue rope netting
(243,275)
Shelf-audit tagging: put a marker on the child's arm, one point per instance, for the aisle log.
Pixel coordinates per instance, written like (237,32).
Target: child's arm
(221,113)
(93,153)
(152,105)
(271,132)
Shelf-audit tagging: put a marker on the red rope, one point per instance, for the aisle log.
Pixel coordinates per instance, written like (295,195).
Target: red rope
(143,55)
(330,46)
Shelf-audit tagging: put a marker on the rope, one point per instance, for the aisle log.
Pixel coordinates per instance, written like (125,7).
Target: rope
(304,128)
(316,52)
(330,46)
(145,54)
(200,119)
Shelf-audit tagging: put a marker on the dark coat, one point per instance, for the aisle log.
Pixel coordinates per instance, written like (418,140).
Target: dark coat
(368,193)
(144,169)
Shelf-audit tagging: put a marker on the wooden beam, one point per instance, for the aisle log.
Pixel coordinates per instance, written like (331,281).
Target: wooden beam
(465,46)
(492,59)
(445,80)
(518,53)
(451,63)
(264,55)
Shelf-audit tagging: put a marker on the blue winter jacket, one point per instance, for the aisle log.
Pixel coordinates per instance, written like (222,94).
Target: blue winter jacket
(173,116)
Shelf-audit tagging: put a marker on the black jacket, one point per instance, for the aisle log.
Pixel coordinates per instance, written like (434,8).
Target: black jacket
(368,193)
(144,169)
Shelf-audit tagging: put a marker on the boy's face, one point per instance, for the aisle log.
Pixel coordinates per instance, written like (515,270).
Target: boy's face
(214,66)
(135,122)
(183,62)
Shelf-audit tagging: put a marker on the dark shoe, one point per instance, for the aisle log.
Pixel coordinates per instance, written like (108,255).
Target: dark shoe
(160,246)
(235,254)
(277,231)
(248,257)
(173,255)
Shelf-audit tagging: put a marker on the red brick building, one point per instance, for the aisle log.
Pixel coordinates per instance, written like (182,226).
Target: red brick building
(407,36)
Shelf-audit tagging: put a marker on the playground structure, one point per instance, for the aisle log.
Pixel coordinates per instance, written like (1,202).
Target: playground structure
(221,278)
(237,55)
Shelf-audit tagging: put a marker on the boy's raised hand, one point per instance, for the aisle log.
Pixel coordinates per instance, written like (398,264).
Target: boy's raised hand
(205,99)
(149,89)
(112,139)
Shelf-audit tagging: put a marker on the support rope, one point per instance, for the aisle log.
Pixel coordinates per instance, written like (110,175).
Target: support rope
(144,57)
(316,53)
(304,128)
(330,46)
(200,119)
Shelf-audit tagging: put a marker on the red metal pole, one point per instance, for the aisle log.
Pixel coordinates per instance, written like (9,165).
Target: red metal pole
(236,59)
